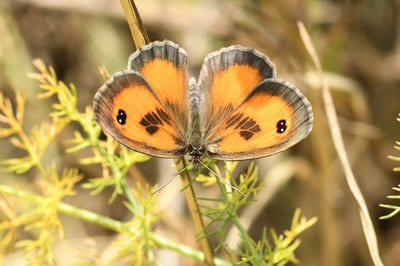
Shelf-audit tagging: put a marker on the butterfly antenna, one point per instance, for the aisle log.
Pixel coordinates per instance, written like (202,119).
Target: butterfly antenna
(168,181)
(222,179)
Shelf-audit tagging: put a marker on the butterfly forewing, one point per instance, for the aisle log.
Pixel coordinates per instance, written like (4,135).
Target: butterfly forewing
(227,77)
(274,117)
(164,66)
(135,117)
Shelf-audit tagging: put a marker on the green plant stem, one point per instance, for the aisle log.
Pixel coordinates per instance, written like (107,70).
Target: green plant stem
(184,250)
(94,140)
(233,215)
(28,144)
(242,231)
(108,223)
(396,210)
(194,210)
(128,194)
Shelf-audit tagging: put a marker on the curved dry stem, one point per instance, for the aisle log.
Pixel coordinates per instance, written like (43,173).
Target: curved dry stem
(337,138)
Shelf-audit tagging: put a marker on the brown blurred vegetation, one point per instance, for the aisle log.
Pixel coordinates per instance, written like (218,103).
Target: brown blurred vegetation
(359,46)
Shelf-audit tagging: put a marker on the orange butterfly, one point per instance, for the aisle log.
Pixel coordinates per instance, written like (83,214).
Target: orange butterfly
(236,110)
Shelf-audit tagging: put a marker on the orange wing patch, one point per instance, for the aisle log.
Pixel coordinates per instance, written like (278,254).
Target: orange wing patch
(143,119)
(274,117)
(227,77)
(167,81)
(252,126)
(164,66)
(232,85)
(136,118)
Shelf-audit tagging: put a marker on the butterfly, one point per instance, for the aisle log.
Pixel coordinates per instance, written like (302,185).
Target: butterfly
(236,110)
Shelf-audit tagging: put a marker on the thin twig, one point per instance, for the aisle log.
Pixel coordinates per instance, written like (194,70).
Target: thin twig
(138,31)
(337,138)
(140,38)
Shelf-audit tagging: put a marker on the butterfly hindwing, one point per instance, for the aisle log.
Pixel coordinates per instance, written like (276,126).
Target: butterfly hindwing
(273,117)
(127,109)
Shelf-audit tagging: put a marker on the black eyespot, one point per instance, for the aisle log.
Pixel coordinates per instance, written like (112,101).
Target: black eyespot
(121,117)
(281,126)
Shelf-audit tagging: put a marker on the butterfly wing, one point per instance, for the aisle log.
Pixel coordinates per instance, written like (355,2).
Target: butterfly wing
(227,77)
(145,107)
(263,117)
(274,117)
(164,66)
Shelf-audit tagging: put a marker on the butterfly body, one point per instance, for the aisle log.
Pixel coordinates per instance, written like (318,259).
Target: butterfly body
(236,110)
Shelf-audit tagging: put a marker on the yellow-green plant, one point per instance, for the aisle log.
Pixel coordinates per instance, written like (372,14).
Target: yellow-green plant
(395,208)
(37,212)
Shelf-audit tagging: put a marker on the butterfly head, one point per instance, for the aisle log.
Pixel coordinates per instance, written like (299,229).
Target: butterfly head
(195,153)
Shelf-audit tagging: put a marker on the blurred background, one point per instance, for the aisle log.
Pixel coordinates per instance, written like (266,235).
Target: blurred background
(358,44)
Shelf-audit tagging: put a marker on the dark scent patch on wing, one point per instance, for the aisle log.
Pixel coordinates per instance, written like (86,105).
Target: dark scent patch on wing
(164,116)
(153,120)
(247,126)
(233,120)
